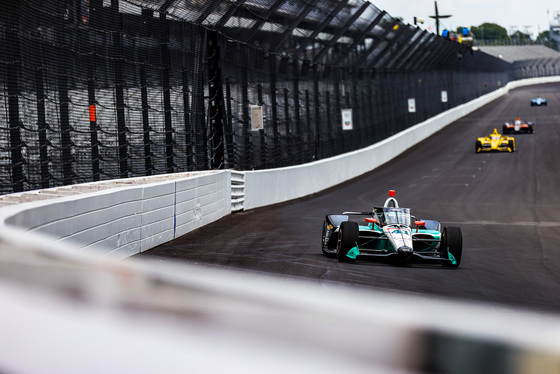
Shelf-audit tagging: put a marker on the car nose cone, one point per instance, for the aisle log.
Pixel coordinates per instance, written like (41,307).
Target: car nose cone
(404,249)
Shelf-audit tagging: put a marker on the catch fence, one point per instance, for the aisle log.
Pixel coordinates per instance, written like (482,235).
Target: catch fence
(104,89)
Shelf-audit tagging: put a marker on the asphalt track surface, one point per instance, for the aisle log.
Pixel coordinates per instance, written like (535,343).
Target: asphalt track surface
(507,205)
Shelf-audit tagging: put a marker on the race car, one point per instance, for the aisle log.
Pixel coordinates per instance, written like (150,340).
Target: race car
(386,234)
(538,101)
(518,126)
(495,142)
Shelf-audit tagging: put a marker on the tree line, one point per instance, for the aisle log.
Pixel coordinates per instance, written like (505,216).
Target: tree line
(493,33)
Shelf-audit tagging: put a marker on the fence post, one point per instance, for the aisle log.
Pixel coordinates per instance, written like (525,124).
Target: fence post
(231,161)
(330,137)
(317,100)
(297,115)
(41,118)
(216,102)
(119,89)
(248,155)
(13,74)
(337,109)
(96,173)
(307,138)
(166,85)
(289,134)
(198,104)
(64,101)
(370,109)
(276,151)
(148,164)
(263,153)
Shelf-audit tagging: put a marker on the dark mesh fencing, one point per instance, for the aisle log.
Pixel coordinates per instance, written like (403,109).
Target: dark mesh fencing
(104,89)
(541,67)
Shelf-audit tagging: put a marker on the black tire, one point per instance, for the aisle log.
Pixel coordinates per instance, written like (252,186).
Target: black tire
(478,146)
(452,242)
(330,253)
(348,236)
(505,129)
(511,145)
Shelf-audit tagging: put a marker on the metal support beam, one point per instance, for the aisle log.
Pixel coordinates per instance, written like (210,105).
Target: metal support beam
(360,39)
(166,85)
(401,33)
(261,19)
(320,28)
(13,76)
(206,12)
(374,45)
(166,5)
(230,12)
(423,43)
(403,47)
(341,32)
(290,28)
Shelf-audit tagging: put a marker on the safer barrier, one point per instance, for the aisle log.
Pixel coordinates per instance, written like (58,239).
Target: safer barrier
(123,217)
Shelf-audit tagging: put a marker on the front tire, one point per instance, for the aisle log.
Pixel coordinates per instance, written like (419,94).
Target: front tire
(452,243)
(478,146)
(348,237)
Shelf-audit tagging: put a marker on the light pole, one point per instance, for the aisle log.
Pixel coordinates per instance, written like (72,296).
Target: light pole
(438,16)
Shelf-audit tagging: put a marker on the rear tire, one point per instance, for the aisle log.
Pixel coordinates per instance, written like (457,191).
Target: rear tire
(348,237)
(452,241)
(330,253)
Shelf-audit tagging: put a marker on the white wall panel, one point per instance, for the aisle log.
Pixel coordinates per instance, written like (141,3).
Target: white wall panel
(125,220)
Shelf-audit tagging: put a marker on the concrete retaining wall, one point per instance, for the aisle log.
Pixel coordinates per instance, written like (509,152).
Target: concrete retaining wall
(129,217)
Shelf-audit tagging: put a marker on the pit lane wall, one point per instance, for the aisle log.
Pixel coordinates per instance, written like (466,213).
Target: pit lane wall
(123,217)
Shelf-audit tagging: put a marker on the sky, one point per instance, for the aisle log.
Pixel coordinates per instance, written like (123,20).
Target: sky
(523,15)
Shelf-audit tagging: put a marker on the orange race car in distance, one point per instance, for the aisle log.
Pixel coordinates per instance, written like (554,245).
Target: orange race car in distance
(518,126)
(495,142)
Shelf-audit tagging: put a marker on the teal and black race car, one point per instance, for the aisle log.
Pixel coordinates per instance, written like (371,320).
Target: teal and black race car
(386,234)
